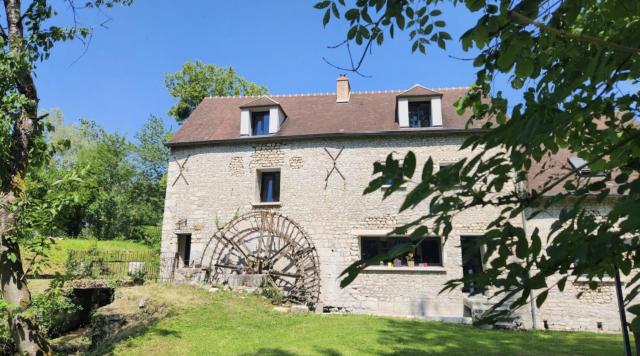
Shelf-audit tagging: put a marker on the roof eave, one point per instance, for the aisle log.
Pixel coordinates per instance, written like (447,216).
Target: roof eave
(428,132)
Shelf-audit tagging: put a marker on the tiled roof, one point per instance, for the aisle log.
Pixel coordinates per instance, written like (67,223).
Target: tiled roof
(218,118)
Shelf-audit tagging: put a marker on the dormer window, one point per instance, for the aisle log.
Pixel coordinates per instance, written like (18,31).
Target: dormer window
(259,123)
(419,107)
(261,117)
(419,114)
(583,169)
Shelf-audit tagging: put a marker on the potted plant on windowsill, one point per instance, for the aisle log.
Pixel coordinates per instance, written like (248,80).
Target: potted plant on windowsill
(410,261)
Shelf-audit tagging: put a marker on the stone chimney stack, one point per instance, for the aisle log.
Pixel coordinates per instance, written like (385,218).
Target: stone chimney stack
(343,89)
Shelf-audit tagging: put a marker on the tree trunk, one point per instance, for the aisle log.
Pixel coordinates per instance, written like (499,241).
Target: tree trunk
(13,287)
(25,333)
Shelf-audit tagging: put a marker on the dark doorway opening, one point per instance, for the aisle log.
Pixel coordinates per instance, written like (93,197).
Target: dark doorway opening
(184,249)
(471,262)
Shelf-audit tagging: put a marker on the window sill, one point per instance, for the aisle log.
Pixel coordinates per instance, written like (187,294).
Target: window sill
(432,269)
(266,204)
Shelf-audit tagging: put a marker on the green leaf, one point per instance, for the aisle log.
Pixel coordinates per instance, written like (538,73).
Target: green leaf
(400,21)
(326,18)
(322,4)
(524,67)
(334,8)
(596,186)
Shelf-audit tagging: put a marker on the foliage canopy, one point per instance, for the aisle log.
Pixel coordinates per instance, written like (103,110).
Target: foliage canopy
(577,66)
(196,80)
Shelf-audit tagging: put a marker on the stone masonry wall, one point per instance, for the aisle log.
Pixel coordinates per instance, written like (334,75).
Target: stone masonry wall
(222,183)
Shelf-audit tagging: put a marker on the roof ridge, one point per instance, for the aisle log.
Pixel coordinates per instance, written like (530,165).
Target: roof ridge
(325,94)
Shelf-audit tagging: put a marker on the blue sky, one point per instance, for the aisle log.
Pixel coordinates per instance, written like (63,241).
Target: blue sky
(119,81)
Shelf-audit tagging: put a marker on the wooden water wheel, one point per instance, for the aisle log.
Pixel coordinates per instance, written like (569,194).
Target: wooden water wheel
(269,244)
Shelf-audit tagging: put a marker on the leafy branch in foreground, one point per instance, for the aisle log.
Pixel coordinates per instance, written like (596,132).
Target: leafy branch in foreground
(577,68)
(27,37)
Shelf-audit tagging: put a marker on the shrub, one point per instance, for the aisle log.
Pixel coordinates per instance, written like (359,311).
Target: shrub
(7,347)
(271,292)
(138,275)
(50,308)
(82,264)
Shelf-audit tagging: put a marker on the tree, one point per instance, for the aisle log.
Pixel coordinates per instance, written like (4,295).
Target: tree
(148,189)
(577,66)
(26,38)
(195,81)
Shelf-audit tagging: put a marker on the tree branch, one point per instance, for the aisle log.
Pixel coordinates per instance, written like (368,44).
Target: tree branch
(579,168)
(576,36)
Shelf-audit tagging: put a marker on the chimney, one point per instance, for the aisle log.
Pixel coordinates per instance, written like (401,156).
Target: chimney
(343,89)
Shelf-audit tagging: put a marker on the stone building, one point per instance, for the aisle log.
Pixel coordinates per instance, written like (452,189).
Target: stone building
(273,186)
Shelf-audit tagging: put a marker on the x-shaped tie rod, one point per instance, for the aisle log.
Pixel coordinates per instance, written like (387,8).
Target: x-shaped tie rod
(334,168)
(181,172)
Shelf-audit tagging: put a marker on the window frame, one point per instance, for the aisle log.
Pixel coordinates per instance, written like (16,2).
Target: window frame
(482,250)
(252,119)
(184,249)
(441,267)
(420,100)
(258,194)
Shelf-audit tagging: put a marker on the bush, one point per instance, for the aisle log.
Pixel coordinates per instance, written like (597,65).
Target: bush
(50,308)
(82,264)
(271,292)
(7,347)
(138,276)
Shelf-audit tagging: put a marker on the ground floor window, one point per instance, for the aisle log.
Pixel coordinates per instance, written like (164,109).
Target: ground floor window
(427,253)
(471,261)
(184,249)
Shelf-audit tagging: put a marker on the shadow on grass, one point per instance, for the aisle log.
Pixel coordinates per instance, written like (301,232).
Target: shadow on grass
(107,344)
(403,337)
(270,352)
(281,352)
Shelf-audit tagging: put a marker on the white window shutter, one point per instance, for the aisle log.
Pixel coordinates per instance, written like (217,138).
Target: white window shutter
(436,112)
(245,122)
(403,112)
(274,120)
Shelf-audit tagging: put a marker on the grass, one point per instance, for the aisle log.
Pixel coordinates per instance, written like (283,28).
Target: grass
(58,251)
(223,323)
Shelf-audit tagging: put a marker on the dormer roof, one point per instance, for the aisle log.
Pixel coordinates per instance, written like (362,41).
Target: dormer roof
(260,102)
(419,90)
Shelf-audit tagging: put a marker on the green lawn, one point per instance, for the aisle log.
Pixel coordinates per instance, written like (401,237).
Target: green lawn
(58,251)
(229,324)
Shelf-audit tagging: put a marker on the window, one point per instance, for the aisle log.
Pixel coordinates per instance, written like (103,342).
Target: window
(269,187)
(577,162)
(471,261)
(419,114)
(259,123)
(427,253)
(184,249)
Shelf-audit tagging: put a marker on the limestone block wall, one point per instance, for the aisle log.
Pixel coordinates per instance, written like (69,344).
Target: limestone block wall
(219,182)
(593,310)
